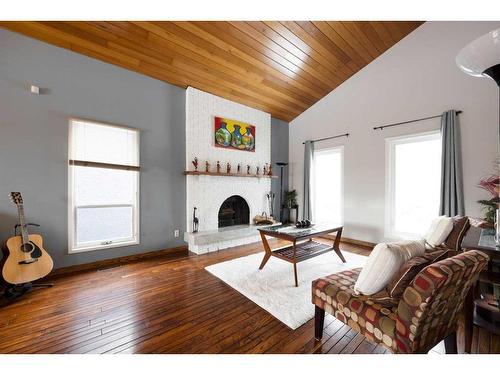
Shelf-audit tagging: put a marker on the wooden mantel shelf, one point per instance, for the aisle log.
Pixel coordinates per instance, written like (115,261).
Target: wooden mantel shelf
(220,174)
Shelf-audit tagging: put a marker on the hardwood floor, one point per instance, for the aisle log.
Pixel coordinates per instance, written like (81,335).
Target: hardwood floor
(169,304)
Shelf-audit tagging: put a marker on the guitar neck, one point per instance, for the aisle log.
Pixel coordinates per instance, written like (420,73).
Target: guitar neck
(22,223)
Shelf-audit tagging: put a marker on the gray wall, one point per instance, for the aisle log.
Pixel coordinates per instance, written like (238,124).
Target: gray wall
(34,141)
(279,153)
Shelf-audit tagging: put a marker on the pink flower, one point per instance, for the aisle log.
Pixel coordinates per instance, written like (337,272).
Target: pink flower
(490,184)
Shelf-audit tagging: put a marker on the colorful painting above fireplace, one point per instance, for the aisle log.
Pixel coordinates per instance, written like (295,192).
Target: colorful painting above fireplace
(234,134)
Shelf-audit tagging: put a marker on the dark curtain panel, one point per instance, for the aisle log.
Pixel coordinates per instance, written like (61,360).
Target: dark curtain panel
(452,193)
(308,179)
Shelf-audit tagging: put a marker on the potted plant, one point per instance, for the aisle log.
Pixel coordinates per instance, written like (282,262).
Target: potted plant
(491,184)
(290,198)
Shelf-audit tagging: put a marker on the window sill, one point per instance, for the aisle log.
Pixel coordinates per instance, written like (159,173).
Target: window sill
(103,247)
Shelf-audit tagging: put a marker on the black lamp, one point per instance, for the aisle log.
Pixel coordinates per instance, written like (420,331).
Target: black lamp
(282,165)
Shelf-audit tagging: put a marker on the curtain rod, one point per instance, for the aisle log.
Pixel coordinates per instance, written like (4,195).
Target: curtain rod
(324,139)
(382,127)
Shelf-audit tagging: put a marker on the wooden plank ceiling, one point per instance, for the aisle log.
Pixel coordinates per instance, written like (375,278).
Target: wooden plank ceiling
(279,67)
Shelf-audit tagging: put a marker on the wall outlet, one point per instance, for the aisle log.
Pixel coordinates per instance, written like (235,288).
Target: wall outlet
(176,233)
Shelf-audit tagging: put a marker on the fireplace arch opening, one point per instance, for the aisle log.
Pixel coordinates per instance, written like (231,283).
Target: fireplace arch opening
(234,211)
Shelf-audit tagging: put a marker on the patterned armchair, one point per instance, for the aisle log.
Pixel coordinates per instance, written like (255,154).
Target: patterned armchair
(426,314)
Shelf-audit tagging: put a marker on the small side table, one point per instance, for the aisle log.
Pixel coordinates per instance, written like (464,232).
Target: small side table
(481,305)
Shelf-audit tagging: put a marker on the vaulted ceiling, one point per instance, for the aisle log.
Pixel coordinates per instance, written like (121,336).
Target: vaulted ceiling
(279,67)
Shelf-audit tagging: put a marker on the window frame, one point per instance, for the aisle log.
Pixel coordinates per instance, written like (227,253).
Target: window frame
(72,208)
(390,145)
(339,149)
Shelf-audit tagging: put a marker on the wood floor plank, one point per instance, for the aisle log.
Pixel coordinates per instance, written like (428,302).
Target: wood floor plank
(354,344)
(366,347)
(333,340)
(379,349)
(343,342)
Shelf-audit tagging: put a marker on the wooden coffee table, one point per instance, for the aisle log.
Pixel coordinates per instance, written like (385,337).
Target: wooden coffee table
(302,247)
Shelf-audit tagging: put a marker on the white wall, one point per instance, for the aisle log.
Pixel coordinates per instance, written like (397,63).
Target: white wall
(207,193)
(415,78)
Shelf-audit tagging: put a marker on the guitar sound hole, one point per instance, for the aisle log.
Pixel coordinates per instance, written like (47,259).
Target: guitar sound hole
(27,247)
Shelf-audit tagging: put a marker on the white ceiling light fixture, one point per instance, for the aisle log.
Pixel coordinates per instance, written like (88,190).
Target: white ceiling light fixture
(481,58)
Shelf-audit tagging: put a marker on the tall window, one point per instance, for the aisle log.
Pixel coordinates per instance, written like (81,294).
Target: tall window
(414,178)
(103,186)
(328,185)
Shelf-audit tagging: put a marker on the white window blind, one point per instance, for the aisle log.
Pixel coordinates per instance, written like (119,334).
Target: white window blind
(104,186)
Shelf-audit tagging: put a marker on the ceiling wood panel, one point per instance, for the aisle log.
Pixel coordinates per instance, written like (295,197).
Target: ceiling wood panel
(279,67)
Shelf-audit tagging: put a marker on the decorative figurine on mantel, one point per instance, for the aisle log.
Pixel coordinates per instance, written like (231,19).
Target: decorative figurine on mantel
(218,166)
(195,163)
(228,168)
(238,168)
(264,169)
(195,221)
(270,170)
(257,170)
(248,169)
(207,166)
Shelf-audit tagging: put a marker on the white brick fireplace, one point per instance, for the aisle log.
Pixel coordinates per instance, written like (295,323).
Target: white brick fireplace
(207,193)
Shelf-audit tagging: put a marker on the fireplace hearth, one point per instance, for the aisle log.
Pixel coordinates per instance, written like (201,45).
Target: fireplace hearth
(234,211)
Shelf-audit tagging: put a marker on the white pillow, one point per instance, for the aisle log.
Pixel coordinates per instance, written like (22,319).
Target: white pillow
(384,261)
(439,230)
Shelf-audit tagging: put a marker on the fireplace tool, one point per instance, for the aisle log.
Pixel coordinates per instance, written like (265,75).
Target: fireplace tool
(270,200)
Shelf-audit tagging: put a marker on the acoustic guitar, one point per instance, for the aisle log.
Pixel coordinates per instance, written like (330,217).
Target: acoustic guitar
(27,260)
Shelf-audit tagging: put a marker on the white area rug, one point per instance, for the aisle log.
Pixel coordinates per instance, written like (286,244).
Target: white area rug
(272,288)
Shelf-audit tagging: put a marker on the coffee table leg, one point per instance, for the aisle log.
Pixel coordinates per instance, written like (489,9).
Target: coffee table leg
(267,255)
(295,274)
(336,245)
(295,264)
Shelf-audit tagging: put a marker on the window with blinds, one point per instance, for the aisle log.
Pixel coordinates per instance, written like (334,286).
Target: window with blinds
(103,186)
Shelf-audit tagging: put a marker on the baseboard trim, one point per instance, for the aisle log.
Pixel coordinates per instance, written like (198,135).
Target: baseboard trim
(358,242)
(350,241)
(114,262)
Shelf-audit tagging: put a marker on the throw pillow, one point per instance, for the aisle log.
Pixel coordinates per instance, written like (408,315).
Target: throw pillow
(394,290)
(410,269)
(384,261)
(405,275)
(439,230)
(436,256)
(460,226)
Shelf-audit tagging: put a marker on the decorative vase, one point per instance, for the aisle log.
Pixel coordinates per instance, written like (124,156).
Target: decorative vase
(236,139)
(248,140)
(222,135)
